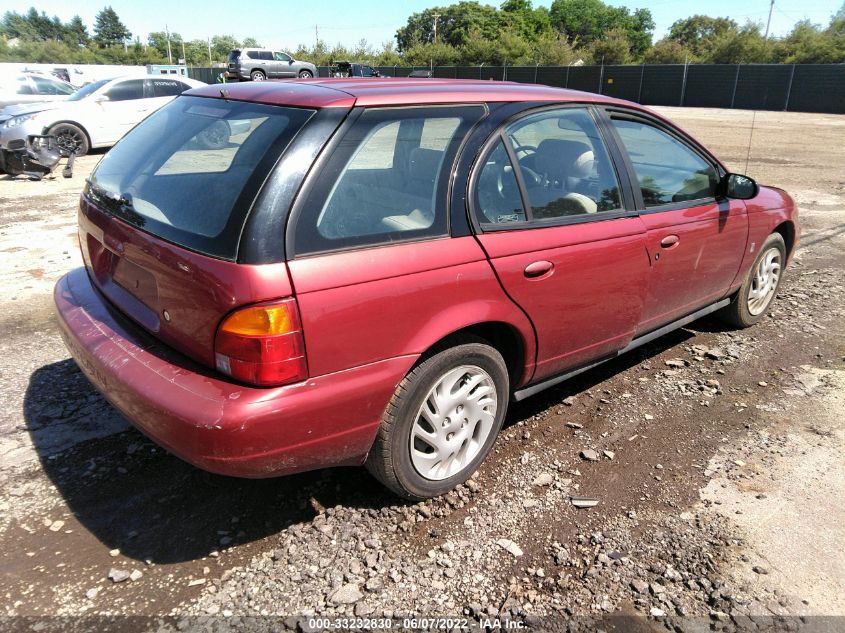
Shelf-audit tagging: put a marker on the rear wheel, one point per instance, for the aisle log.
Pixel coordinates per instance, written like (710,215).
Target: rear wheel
(305,74)
(760,286)
(442,421)
(257,75)
(70,139)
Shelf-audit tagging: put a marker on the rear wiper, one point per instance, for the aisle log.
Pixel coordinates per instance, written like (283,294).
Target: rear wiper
(121,206)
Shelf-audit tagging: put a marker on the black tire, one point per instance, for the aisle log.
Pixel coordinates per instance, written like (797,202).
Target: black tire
(257,75)
(305,74)
(70,138)
(390,460)
(738,313)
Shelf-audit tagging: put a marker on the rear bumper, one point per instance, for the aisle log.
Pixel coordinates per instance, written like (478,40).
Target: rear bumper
(217,425)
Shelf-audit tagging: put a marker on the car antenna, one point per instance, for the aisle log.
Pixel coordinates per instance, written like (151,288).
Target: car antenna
(750,136)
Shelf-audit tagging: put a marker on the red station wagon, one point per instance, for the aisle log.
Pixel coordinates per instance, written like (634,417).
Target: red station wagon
(367,271)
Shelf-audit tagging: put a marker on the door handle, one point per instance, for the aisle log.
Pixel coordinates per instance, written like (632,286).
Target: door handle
(538,269)
(669,241)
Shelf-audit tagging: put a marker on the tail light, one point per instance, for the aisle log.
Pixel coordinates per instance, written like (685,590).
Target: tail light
(262,345)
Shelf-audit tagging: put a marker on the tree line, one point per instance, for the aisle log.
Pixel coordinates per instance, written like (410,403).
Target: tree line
(464,33)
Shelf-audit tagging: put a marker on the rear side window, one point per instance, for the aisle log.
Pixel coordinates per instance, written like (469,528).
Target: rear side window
(126,90)
(167,87)
(386,181)
(669,172)
(263,55)
(51,87)
(190,171)
(23,87)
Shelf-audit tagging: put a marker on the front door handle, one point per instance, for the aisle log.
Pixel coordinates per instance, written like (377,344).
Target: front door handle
(669,241)
(538,269)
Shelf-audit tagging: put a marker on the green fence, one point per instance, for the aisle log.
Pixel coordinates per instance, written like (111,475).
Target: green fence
(796,88)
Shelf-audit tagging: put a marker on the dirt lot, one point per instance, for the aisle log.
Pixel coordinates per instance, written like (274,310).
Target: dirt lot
(720,479)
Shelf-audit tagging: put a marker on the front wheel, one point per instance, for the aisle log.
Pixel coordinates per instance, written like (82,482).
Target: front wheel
(305,74)
(754,297)
(70,139)
(442,421)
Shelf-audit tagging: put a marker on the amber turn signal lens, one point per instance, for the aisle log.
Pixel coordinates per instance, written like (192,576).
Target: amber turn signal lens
(260,321)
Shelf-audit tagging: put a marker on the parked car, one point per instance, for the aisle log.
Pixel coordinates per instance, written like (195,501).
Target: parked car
(350,69)
(260,64)
(374,271)
(420,74)
(97,115)
(27,87)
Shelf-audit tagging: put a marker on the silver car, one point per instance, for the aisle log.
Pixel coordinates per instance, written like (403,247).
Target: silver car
(260,64)
(16,87)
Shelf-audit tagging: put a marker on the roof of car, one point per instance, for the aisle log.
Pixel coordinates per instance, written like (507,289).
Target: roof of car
(343,92)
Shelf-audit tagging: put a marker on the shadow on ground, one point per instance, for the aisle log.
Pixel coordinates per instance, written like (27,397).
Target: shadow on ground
(132,495)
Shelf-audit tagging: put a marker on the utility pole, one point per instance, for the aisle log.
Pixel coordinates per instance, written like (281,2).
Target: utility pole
(769,22)
(436,17)
(209,51)
(169,54)
(316,34)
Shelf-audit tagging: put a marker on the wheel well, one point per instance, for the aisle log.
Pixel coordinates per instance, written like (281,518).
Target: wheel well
(259,70)
(787,232)
(74,123)
(500,336)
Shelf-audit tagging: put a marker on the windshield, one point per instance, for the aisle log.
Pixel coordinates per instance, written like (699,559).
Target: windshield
(190,171)
(87,90)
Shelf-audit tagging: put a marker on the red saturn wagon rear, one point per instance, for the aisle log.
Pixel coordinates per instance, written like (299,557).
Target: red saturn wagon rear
(282,277)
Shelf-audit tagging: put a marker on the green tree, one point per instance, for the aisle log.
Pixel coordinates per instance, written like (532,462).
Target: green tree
(743,46)
(807,43)
(109,31)
(586,21)
(699,33)
(76,33)
(668,51)
(454,25)
(613,48)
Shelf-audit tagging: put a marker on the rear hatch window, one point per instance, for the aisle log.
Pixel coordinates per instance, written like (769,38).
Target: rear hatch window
(234,56)
(190,172)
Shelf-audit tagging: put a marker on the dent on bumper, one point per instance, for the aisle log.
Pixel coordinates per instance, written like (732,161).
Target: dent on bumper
(215,424)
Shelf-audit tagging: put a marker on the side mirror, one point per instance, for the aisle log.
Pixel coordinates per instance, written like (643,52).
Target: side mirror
(739,187)
(101,98)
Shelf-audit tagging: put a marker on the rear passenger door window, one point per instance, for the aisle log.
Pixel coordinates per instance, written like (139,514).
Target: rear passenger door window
(386,181)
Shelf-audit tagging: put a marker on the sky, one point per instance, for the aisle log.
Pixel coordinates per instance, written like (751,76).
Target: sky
(284,24)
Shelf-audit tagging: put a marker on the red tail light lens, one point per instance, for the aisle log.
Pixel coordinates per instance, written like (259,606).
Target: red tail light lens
(262,345)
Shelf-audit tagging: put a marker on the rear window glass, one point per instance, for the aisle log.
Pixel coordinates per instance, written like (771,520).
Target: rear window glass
(190,171)
(386,182)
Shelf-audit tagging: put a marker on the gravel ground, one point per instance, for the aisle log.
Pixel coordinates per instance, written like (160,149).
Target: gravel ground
(714,457)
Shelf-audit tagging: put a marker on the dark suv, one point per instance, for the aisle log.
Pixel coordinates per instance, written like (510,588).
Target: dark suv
(373,269)
(260,64)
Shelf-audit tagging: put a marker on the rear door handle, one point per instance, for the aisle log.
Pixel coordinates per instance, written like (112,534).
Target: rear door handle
(669,241)
(538,269)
